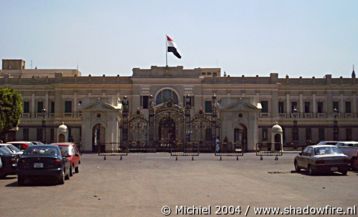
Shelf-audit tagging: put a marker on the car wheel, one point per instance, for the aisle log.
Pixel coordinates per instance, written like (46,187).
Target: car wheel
(71,171)
(77,169)
(20,180)
(297,168)
(344,172)
(310,170)
(2,176)
(61,178)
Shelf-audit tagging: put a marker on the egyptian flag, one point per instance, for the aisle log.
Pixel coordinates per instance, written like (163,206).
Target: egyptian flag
(171,47)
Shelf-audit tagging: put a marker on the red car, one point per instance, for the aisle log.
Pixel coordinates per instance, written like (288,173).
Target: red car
(70,149)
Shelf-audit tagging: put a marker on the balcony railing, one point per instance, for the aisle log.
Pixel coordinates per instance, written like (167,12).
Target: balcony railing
(50,115)
(310,115)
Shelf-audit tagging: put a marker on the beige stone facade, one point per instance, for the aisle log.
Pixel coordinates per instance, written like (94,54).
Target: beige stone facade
(185,105)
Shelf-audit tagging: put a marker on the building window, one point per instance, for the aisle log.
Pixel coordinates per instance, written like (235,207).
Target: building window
(188,101)
(166,96)
(307,107)
(335,106)
(294,107)
(40,106)
(319,107)
(208,107)
(308,134)
(52,107)
(26,107)
(349,134)
(264,105)
(295,131)
(264,134)
(52,135)
(144,102)
(25,134)
(281,107)
(39,134)
(321,134)
(68,106)
(348,107)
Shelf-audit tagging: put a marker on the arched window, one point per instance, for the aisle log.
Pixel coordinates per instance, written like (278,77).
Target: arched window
(166,96)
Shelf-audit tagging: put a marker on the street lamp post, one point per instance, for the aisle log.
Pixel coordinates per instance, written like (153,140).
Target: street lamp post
(295,128)
(335,125)
(44,125)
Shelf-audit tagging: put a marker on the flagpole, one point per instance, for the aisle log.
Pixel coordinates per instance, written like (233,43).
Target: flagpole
(166,52)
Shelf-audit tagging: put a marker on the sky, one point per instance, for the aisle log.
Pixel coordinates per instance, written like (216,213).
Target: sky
(254,37)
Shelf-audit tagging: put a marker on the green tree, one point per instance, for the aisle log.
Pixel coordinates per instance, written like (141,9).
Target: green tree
(10,109)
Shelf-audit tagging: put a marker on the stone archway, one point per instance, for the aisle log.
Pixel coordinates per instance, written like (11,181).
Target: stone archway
(98,138)
(167,131)
(61,138)
(240,137)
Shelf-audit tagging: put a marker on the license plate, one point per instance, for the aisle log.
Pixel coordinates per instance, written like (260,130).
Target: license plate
(38,165)
(334,169)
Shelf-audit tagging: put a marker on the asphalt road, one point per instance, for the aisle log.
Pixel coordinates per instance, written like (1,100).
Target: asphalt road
(141,184)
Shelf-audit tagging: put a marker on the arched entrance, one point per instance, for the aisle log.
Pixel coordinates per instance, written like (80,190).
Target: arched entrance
(167,131)
(61,138)
(240,137)
(98,138)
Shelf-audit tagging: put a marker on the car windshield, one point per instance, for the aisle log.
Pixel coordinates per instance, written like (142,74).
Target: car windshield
(4,151)
(66,150)
(326,150)
(13,148)
(42,151)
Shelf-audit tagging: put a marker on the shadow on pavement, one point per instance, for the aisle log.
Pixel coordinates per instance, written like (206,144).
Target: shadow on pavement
(34,183)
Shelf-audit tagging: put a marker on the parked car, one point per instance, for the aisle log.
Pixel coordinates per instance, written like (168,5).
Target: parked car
(8,162)
(73,155)
(22,145)
(355,162)
(322,158)
(43,161)
(327,142)
(12,148)
(349,148)
(37,143)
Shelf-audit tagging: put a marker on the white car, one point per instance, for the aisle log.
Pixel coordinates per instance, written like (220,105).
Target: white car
(322,158)
(12,148)
(349,148)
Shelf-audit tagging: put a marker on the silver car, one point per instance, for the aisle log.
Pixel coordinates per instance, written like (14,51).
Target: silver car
(322,158)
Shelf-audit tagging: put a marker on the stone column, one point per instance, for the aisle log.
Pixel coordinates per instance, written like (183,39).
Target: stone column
(33,105)
(75,102)
(288,103)
(46,106)
(301,104)
(354,103)
(274,105)
(314,106)
(329,108)
(341,104)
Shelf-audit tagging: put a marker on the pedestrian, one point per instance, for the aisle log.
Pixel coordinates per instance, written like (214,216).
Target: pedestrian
(217,145)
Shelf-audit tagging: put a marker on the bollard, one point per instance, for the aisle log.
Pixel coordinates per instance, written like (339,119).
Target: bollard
(261,158)
(192,158)
(237,157)
(176,157)
(104,157)
(276,157)
(221,157)
(120,158)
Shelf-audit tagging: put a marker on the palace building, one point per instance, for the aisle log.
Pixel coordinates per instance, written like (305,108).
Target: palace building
(173,105)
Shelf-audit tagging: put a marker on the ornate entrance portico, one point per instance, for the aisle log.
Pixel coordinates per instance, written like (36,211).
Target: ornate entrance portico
(239,121)
(100,126)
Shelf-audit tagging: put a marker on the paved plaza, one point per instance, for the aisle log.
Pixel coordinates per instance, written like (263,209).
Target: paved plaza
(141,184)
